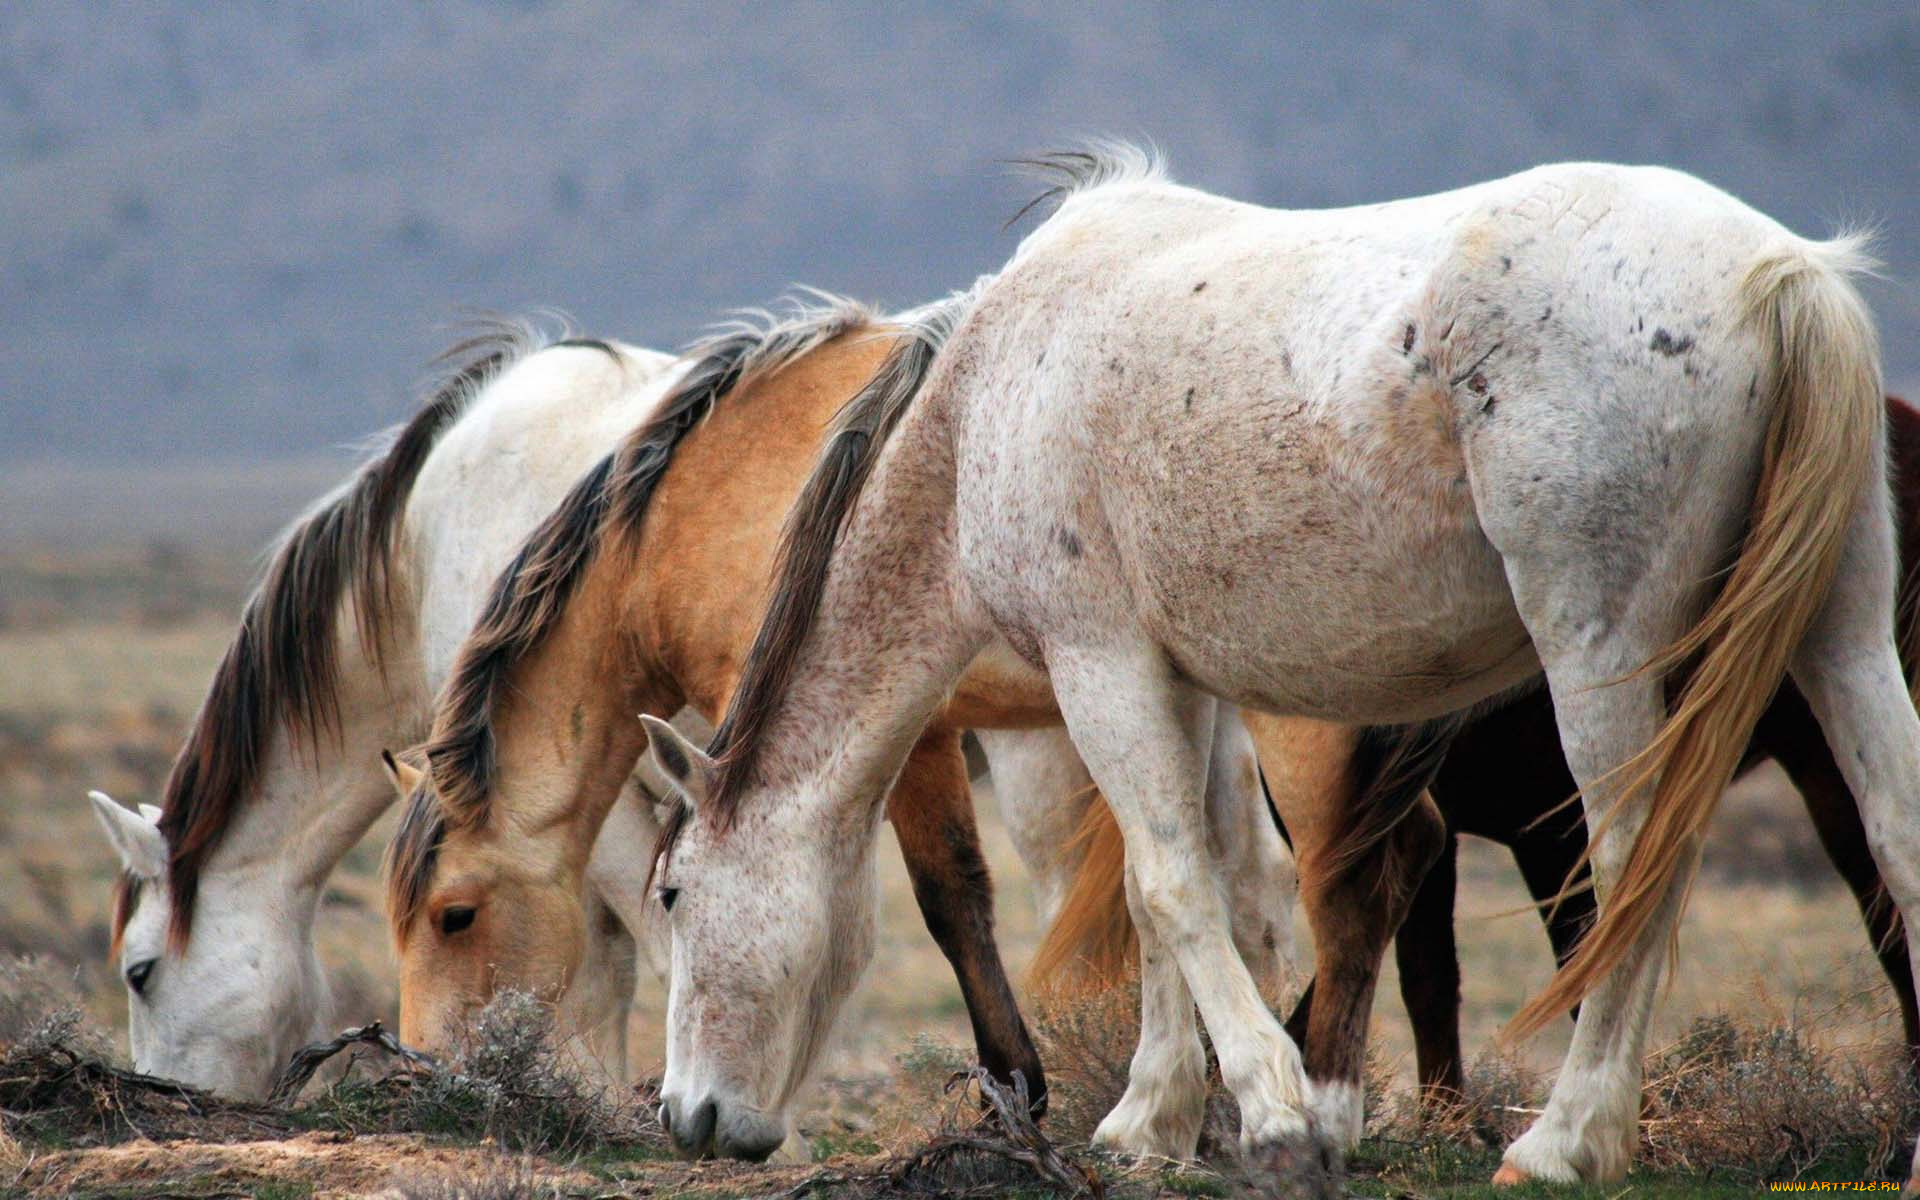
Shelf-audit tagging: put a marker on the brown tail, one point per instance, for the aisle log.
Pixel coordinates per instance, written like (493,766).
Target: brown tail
(1090,942)
(1822,451)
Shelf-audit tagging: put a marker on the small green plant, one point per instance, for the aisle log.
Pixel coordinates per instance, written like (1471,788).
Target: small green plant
(832,1145)
(928,1062)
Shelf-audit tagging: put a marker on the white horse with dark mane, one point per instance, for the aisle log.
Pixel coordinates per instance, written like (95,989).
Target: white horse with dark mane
(1371,465)
(340,649)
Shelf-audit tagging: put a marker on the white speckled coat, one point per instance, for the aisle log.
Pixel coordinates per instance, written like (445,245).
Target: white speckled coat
(1368,465)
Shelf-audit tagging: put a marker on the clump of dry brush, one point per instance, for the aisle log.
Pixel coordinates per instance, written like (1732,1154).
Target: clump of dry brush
(57,1081)
(508,1080)
(1768,1101)
(1760,1099)
(1755,1099)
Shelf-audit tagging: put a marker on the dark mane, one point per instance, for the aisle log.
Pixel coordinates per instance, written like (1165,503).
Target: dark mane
(282,665)
(807,546)
(411,858)
(531,595)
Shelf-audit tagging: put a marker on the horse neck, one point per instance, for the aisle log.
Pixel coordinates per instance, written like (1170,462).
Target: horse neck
(894,631)
(567,733)
(319,792)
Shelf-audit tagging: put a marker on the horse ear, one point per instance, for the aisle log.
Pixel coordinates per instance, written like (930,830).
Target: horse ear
(135,837)
(685,765)
(404,776)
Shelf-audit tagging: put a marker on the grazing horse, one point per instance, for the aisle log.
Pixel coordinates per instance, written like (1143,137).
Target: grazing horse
(640,593)
(1370,465)
(356,620)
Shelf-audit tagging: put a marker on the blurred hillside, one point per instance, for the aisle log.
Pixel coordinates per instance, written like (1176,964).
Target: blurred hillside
(237,230)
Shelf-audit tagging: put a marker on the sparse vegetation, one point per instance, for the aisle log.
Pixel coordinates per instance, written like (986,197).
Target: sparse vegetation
(1769,1102)
(507,1084)
(98,691)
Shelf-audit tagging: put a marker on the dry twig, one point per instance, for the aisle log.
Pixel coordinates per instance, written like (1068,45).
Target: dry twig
(309,1059)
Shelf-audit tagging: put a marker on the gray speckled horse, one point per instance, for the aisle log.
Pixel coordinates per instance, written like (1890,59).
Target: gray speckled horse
(1373,465)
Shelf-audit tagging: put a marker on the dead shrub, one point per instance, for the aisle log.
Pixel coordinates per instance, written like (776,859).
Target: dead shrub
(508,1080)
(39,1004)
(1086,1038)
(1769,1102)
(1499,1097)
(57,1080)
(56,1088)
(987,1144)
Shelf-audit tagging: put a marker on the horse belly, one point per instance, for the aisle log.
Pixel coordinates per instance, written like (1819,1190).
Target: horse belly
(1339,622)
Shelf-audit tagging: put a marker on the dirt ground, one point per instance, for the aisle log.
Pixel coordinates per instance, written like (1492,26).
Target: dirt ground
(102,659)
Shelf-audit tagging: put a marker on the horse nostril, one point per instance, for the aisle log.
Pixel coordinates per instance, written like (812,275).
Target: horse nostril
(700,1128)
(692,1134)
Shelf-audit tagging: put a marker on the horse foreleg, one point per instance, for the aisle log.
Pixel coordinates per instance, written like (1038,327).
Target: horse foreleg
(1147,738)
(931,808)
(1354,910)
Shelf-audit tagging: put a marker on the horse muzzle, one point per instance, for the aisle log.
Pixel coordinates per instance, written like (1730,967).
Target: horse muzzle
(709,1128)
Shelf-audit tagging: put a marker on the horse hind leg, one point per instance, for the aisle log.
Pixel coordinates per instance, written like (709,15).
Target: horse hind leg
(1792,735)
(1849,671)
(1589,1130)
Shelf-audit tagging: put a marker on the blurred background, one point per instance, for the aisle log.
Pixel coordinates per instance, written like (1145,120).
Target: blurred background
(232,235)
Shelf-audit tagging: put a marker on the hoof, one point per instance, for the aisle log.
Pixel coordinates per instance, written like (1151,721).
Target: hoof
(1510,1176)
(1300,1167)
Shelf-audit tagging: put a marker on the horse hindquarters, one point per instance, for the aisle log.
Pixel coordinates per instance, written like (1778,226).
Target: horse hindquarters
(1604,577)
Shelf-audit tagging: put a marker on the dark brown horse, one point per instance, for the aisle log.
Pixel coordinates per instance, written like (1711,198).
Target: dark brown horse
(1505,780)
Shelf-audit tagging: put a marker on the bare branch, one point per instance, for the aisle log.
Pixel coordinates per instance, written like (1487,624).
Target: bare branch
(308,1059)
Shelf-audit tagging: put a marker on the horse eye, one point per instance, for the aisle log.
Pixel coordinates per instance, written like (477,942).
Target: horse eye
(139,973)
(455,918)
(668,896)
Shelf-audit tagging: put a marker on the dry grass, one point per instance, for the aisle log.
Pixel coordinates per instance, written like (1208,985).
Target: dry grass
(508,1180)
(1773,1101)
(102,658)
(1086,1039)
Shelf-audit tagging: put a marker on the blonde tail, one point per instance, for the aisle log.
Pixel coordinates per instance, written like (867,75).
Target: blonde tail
(1091,941)
(1822,449)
